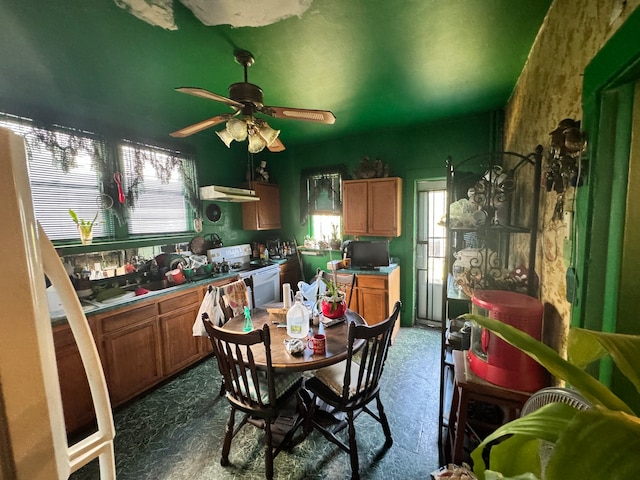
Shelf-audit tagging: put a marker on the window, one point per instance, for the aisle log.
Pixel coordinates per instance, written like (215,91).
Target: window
(322,202)
(62,165)
(159,185)
(73,169)
(326,227)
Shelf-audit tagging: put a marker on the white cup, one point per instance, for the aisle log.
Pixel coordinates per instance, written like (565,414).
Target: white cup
(287,295)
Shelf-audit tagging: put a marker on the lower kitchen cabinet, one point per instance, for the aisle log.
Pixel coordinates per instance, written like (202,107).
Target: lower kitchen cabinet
(376,295)
(179,347)
(74,387)
(131,352)
(290,273)
(140,344)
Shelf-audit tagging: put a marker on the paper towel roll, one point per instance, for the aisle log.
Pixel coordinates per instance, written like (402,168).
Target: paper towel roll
(286,295)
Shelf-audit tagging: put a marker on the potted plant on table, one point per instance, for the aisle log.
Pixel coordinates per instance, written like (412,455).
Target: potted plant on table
(600,442)
(85,227)
(333,300)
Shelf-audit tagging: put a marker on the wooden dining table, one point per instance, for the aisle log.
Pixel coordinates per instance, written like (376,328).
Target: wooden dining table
(336,341)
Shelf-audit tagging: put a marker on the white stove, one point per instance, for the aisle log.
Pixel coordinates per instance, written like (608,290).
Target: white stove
(264,279)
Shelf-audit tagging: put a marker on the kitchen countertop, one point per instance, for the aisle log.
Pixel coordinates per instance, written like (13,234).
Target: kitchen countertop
(89,309)
(376,271)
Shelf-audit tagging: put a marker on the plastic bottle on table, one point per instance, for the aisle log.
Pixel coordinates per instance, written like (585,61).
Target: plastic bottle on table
(297,319)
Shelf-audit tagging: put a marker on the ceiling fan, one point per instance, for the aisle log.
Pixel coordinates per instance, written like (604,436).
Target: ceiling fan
(246,99)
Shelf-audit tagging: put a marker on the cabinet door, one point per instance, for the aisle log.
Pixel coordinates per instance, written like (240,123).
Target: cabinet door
(264,214)
(290,273)
(74,387)
(354,207)
(131,350)
(383,205)
(372,298)
(179,347)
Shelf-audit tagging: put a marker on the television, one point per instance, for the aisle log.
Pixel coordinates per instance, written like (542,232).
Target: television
(369,255)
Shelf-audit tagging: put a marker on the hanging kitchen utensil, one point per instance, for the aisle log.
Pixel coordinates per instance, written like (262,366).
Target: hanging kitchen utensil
(118,179)
(104,201)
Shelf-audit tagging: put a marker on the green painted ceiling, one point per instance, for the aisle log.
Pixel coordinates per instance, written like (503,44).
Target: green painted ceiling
(374,63)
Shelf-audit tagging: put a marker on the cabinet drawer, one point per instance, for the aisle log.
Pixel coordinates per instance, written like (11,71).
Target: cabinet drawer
(124,319)
(178,301)
(372,281)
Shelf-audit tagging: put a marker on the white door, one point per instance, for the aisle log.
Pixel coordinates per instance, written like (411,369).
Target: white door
(430,251)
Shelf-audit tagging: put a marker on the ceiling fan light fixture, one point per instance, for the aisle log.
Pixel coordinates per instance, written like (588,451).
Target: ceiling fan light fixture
(268,134)
(226,137)
(237,129)
(256,142)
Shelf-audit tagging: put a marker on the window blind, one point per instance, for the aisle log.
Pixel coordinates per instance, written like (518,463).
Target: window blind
(54,191)
(157,181)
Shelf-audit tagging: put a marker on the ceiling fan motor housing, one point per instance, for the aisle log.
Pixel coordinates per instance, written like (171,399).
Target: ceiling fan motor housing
(244,92)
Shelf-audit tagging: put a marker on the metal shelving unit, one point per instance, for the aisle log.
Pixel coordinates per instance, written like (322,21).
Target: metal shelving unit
(493,207)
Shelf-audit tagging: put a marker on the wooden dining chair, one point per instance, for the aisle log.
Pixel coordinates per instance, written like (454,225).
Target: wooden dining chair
(349,387)
(344,281)
(259,393)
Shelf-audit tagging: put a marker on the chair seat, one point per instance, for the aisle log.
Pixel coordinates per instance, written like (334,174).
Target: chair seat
(333,377)
(282,383)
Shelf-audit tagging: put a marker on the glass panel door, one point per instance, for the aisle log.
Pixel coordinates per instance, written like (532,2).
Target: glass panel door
(430,252)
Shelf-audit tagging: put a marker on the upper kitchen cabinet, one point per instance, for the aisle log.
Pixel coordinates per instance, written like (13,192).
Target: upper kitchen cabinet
(264,214)
(372,207)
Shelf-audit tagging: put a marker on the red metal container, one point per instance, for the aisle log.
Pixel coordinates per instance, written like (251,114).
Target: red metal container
(494,360)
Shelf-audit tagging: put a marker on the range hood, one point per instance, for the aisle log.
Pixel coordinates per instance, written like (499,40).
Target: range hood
(227,194)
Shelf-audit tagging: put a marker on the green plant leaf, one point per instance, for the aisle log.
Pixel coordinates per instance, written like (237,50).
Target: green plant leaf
(598,443)
(491,475)
(622,348)
(588,386)
(519,454)
(583,349)
(74,217)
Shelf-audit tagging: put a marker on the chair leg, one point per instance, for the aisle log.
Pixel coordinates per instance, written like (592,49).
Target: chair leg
(353,448)
(308,421)
(268,450)
(222,388)
(385,423)
(228,436)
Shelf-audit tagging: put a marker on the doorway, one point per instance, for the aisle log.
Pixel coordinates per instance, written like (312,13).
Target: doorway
(430,251)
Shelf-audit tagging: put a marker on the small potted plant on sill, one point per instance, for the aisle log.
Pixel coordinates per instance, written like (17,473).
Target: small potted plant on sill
(85,227)
(333,301)
(335,242)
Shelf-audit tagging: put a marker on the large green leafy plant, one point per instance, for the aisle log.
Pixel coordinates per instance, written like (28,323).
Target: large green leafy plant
(601,442)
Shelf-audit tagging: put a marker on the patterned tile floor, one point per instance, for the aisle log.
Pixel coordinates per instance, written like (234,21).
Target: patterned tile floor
(176,432)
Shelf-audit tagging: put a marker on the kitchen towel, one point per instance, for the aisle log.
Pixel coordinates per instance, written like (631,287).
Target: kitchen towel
(236,296)
(210,310)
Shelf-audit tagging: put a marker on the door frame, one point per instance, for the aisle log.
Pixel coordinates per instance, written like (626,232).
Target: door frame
(608,97)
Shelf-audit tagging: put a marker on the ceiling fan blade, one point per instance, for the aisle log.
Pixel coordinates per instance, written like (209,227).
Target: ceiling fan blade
(276,146)
(201,92)
(198,127)
(318,116)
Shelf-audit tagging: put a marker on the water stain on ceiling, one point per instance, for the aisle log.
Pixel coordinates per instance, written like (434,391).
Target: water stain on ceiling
(248,13)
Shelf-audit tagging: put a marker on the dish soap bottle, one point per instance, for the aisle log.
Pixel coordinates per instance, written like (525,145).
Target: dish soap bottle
(298,318)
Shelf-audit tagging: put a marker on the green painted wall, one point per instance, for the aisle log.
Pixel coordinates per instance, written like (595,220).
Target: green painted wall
(413,153)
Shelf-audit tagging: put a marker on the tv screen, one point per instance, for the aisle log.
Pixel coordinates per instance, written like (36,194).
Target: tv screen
(369,255)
